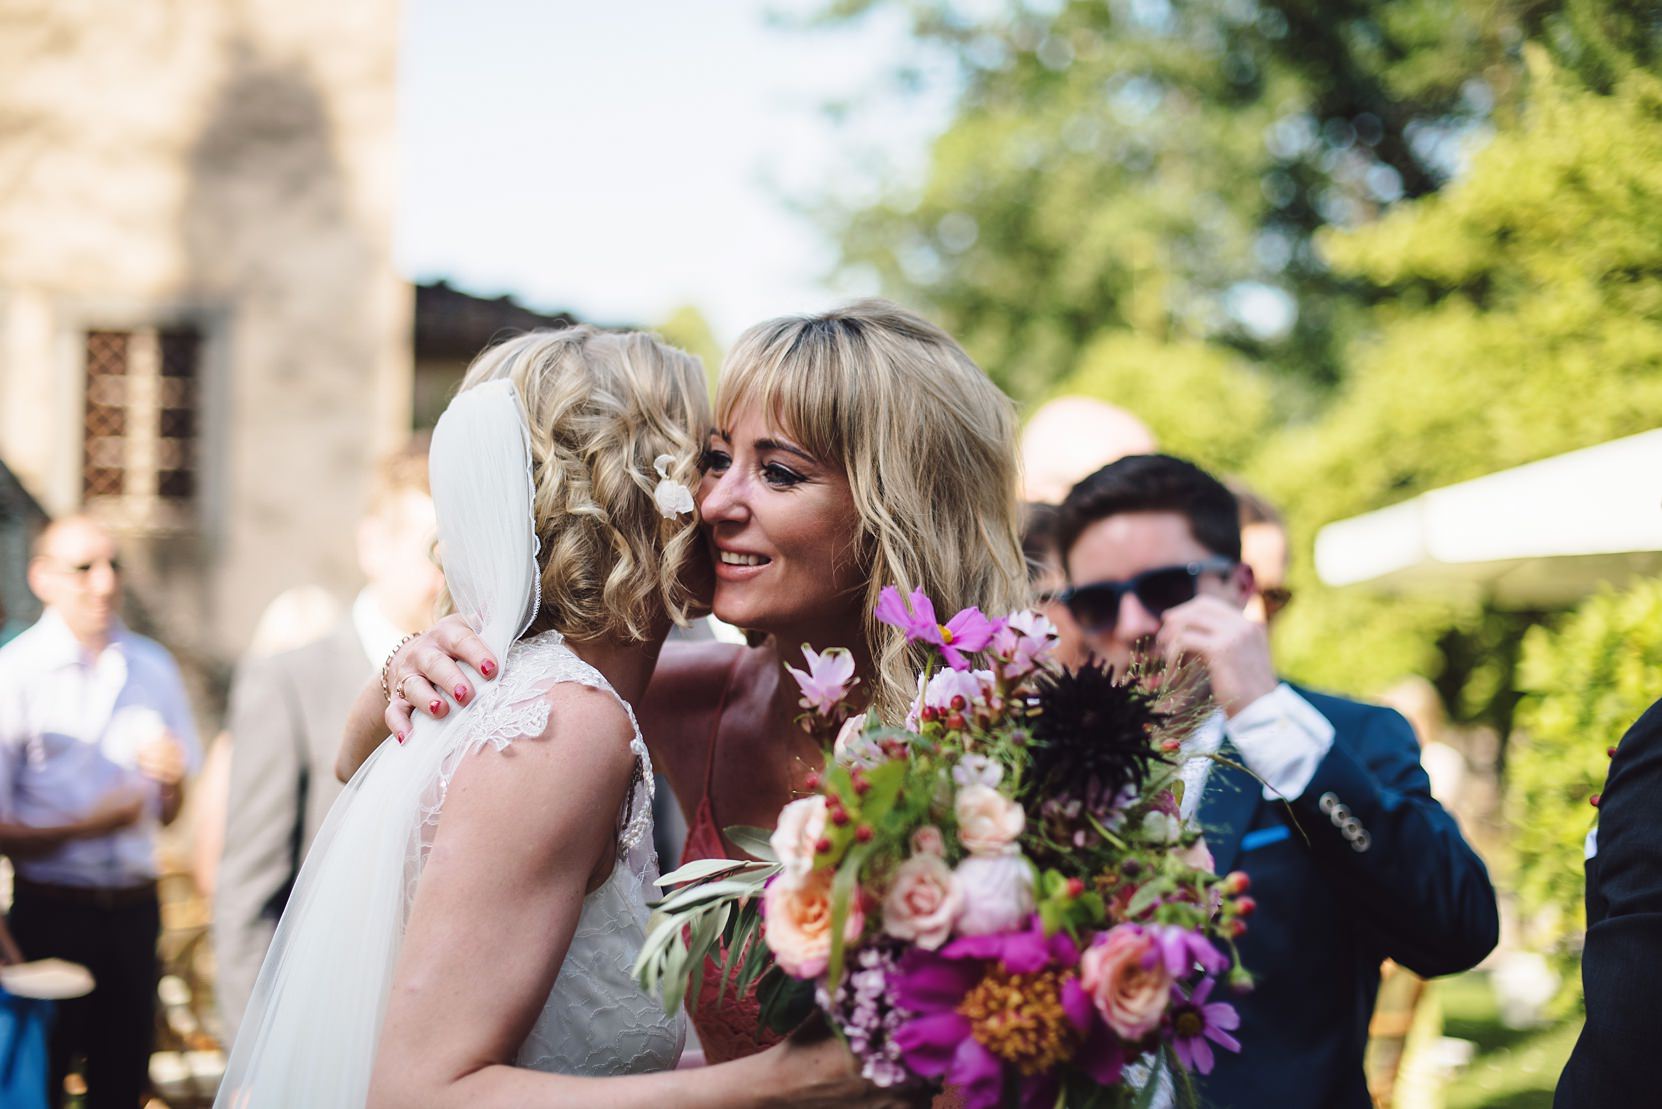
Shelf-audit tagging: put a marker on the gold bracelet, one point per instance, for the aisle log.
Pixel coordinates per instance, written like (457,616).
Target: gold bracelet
(386,667)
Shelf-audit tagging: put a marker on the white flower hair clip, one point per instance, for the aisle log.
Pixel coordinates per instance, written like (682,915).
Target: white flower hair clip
(672,498)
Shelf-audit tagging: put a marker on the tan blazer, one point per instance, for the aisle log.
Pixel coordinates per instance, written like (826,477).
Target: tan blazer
(287,715)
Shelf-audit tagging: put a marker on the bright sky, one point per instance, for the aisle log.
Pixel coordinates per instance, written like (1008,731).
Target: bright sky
(623,158)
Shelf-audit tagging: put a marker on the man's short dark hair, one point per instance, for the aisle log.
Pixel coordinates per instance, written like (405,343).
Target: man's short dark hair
(1154,483)
(1038,536)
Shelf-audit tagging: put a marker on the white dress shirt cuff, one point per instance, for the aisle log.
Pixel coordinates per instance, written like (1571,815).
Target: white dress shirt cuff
(1282,739)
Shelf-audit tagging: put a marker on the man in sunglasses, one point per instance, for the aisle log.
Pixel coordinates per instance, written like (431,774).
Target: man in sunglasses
(96,737)
(1320,801)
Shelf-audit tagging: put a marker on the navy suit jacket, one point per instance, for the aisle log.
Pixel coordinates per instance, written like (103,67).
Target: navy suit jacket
(1362,867)
(1621,964)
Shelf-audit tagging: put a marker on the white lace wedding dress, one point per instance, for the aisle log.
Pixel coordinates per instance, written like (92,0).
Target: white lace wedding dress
(310,1034)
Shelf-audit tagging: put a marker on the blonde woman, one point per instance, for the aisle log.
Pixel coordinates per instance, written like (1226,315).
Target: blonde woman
(463,931)
(851,450)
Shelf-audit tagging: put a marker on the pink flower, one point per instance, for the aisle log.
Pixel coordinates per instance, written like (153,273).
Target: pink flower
(997,892)
(801,825)
(798,923)
(826,683)
(977,770)
(928,840)
(966,633)
(1199,856)
(1127,981)
(988,821)
(923,902)
(853,748)
(1023,643)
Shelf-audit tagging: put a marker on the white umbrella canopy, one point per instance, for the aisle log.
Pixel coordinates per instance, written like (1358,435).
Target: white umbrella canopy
(1541,535)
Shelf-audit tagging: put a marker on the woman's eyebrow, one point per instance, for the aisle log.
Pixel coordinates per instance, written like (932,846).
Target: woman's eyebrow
(781,445)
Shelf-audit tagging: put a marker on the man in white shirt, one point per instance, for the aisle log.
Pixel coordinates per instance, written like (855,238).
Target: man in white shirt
(96,737)
(1350,859)
(286,718)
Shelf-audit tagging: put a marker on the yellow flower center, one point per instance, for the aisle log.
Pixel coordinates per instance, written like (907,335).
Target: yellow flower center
(1019,1018)
(946,634)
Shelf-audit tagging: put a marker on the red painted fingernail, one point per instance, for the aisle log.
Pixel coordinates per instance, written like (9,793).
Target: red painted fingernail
(461,693)
(434,707)
(487,668)
(400,737)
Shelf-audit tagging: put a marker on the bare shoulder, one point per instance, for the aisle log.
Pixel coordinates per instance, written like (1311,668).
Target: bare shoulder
(571,775)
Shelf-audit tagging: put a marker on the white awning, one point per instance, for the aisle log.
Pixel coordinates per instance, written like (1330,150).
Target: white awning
(1544,534)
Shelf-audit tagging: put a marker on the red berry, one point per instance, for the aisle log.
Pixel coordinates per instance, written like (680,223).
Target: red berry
(1076,887)
(839,817)
(1170,745)
(1237,927)
(863,833)
(929,714)
(823,847)
(1595,799)
(861,786)
(811,783)
(958,704)
(1610,752)
(1245,906)
(1238,881)
(955,720)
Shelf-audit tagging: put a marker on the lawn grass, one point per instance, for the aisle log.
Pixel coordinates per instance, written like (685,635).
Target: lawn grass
(1513,1068)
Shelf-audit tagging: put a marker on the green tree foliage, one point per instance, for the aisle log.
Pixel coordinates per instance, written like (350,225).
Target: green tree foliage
(1160,167)
(687,328)
(1518,315)
(1585,680)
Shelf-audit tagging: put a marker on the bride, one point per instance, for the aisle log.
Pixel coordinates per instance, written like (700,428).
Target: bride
(463,930)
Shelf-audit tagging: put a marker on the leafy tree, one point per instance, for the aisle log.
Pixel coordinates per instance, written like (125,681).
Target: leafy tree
(687,328)
(1585,679)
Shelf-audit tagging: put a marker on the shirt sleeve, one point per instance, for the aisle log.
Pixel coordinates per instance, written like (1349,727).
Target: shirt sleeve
(175,709)
(1282,739)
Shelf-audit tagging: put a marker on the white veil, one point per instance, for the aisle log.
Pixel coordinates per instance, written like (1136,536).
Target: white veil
(309,1037)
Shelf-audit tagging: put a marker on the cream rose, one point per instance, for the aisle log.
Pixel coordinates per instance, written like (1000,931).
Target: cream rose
(997,892)
(800,827)
(928,840)
(1127,981)
(798,923)
(988,821)
(923,902)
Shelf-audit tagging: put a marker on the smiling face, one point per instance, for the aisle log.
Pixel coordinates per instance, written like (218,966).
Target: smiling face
(783,532)
(78,576)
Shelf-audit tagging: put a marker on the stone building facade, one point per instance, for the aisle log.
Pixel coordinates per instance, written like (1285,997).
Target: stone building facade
(202,336)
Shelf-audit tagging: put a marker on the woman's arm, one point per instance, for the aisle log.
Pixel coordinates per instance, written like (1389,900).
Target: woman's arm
(525,834)
(417,670)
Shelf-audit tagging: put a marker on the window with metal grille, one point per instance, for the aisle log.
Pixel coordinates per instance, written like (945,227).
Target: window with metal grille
(139,453)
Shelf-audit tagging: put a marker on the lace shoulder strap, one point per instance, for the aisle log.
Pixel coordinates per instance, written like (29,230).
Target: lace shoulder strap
(514,706)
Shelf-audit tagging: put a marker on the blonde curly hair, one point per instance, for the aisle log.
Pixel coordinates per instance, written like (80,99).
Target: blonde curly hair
(929,446)
(601,407)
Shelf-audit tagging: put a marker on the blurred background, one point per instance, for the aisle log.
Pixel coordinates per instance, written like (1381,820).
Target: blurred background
(1397,266)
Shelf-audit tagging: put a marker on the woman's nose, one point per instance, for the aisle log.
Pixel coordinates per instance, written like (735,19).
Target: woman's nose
(721,497)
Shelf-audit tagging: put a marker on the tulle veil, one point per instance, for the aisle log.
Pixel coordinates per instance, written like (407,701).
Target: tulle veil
(310,1033)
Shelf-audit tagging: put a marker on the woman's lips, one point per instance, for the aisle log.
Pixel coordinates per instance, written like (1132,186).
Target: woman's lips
(739,565)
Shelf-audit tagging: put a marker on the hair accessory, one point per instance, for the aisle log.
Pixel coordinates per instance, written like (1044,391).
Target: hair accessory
(672,498)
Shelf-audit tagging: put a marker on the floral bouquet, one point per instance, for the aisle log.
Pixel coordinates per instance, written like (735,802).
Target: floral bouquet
(999,894)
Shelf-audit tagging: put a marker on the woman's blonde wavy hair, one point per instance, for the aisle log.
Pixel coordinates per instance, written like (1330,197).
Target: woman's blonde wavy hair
(601,407)
(929,446)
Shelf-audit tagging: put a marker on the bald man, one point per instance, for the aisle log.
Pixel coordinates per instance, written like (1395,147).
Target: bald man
(96,737)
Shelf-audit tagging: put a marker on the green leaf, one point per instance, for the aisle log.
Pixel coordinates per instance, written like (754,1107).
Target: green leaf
(752,841)
(687,896)
(785,1002)
(842,888)
(699,869)
(698,949)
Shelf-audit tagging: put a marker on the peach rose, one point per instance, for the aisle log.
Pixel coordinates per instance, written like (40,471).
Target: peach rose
(928,840)
(923,902)
(1127,981)
(997,892)
(988,821)
(798,923)
(801,825)
(1199,856)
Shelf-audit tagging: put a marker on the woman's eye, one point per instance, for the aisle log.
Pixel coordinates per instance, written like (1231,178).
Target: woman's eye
(779,475)
(714,461)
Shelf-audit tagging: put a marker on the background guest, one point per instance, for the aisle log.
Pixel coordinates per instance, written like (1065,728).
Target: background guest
(1350,859)
(1264,548)
(96,737)
(286,716)
(1044,571)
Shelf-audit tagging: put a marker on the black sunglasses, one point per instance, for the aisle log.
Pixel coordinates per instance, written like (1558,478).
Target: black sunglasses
(1096,605)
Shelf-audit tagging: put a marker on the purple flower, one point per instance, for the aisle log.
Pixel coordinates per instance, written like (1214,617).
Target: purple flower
(944,1040)
(1192,1022)
(1182,950)
(966,633)
(826,683)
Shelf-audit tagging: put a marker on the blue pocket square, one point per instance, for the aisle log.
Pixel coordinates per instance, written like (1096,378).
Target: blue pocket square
(1263,837)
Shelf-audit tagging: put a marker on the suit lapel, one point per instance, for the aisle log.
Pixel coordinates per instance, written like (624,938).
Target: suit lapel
(1227,807)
